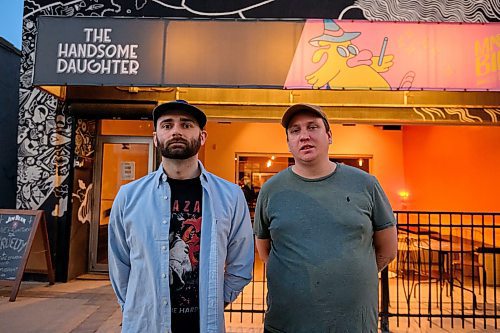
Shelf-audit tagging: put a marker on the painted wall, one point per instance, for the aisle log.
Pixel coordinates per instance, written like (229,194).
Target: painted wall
(385,148)
(452,168)
(10,58)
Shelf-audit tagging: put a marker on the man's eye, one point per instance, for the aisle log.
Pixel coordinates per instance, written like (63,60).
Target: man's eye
(294,131)
(166,125)
(187,125)
(313,127)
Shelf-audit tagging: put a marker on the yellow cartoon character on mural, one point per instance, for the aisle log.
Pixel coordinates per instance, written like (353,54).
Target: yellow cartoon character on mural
(346,66)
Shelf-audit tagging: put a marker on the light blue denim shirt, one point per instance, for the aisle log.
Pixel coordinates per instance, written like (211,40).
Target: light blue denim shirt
(139,251)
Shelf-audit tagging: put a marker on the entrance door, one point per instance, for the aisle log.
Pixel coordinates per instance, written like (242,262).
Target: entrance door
(120,160)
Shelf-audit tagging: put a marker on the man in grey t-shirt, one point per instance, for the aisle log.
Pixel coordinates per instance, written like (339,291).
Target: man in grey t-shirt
(324,230)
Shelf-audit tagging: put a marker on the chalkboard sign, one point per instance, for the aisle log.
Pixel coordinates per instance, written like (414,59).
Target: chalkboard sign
(18,229)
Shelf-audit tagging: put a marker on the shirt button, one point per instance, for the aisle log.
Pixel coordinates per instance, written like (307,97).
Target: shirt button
(164,221)
(165,197)
(164,275)
(164,178)
(165,302)
(164,248)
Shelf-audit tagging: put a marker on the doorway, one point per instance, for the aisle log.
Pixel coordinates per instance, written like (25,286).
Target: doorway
(120,160)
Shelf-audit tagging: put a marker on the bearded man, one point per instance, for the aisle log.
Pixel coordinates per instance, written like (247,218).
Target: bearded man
(151,212)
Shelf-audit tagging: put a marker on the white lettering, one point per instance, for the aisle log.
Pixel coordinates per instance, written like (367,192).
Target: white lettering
(62,65)
(72,53)
(97,55)
(71,66)
(105,67)
(91,51)
(123,67)
(133,54)
(93,67)
(111,51)
(88,34)
(62,50)
(134,66)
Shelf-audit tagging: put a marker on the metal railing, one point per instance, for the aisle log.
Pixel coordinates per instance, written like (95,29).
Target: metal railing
(447,274)
(447,271)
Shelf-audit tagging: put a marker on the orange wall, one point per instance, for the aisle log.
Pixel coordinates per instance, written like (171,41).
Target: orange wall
(452,168)
(225,140)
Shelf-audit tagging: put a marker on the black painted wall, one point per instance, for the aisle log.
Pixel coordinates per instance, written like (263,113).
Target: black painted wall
(10,61)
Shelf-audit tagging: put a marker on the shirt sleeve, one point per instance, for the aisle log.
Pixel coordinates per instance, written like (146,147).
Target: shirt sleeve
(382,214)
(118,251)
(261,220)
(240,251)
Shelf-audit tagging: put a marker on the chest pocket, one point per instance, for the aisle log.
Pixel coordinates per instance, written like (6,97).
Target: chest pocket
(223,225)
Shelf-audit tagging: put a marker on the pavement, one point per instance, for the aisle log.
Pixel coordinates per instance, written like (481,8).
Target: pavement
(78,306)
(89,305)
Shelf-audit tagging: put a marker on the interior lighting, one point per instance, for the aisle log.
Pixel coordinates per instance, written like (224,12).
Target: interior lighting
(269,163)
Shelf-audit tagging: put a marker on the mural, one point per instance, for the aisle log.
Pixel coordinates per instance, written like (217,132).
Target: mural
(395,55)
(85,141)
(464,115)
(44,139)
(429,11)
(346,65)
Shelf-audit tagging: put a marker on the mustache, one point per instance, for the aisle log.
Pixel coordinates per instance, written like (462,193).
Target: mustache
(178,140)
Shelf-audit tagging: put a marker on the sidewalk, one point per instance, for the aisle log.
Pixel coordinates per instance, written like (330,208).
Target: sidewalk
(84,306)
(79,306)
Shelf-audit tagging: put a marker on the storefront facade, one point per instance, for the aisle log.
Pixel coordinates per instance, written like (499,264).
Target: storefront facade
(243,73)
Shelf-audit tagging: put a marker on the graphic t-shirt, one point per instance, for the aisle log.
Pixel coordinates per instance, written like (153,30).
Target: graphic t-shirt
(184,237)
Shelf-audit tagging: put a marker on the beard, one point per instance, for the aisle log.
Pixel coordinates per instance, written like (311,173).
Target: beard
(189,149)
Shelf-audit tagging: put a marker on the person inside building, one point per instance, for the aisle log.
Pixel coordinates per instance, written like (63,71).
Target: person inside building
(180,238)
(325,230)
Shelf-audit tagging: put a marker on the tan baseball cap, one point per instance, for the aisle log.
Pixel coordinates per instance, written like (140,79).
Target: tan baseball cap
(304,108)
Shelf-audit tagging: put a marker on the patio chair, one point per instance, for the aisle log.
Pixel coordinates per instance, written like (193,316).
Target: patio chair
(465,264)
(416,266)
(432,270)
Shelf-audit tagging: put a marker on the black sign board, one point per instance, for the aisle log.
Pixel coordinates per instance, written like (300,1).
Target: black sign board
(18,229)
(111,51)
(96,51)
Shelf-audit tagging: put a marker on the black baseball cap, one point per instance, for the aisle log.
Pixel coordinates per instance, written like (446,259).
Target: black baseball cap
(303,108)
(180,105)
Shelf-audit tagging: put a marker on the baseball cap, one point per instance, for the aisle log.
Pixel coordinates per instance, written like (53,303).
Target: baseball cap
(180,105)
(303,108)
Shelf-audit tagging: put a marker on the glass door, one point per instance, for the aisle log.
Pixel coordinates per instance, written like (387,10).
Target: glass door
(120,160)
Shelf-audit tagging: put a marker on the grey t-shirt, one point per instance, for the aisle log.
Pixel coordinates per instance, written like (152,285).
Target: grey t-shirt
(322,273)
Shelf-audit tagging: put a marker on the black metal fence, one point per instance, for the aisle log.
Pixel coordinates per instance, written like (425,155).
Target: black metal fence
(447,271)
(447,274)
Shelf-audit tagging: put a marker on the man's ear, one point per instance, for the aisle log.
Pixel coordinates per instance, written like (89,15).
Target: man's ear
(330,138)
(203,137)
(155,139)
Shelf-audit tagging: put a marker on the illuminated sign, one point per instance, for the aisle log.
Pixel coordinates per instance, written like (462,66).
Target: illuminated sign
(312,54)
(396,56)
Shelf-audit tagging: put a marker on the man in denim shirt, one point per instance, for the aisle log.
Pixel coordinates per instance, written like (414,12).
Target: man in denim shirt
(180,238)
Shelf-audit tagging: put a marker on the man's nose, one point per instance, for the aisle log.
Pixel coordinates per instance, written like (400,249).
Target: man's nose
(304,135)
(176,129)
